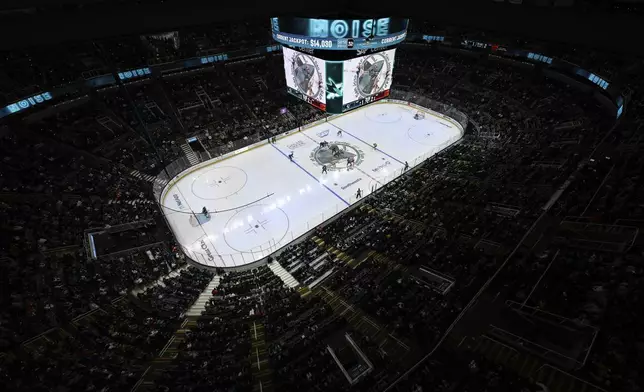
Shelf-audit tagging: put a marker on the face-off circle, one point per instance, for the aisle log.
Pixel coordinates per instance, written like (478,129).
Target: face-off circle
(336,155)
(307,76)
(255,226)
(219,183)
(424,136)
(372,75)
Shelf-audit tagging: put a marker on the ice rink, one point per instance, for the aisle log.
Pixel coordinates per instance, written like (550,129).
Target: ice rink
(260,201)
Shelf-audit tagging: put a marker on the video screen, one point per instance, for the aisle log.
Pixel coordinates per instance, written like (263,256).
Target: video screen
(367,76)
(305,77)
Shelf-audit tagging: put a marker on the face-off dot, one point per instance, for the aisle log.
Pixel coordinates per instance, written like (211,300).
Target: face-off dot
(219,183)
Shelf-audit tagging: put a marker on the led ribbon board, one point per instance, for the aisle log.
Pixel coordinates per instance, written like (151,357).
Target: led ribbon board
(339,34)
(134,73)
(25,104)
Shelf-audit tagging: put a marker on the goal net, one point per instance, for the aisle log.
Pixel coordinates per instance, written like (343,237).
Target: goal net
(419,115)
(198,218)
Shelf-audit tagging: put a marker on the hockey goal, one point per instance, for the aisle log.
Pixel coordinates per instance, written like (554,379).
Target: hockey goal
(199,218)
(418,115)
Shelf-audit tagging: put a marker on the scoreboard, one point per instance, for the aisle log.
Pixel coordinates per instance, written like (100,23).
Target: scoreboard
(339,34)
(305,77)
(338,86)
(338,65)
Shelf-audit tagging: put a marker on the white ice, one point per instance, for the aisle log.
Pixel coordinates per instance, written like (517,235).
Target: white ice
(260,201)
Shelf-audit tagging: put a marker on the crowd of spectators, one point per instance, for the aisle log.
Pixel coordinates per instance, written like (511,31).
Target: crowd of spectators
(307,262)
(460,214)
(108,348)
(214,356)
(241,294)
(50,197)
(173,295)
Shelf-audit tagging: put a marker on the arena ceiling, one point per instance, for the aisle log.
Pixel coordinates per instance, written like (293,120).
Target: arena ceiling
(34,22)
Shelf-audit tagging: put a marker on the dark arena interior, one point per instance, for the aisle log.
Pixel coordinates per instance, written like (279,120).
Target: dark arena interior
(492,244)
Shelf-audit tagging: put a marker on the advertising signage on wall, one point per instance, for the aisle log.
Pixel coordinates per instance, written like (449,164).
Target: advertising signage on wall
(134,73)
(25,104)
(339,34)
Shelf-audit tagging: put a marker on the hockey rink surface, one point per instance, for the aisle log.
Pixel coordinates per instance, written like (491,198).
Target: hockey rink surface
(260,201)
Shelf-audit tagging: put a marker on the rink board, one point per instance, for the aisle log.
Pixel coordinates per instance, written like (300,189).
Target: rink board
(260,200)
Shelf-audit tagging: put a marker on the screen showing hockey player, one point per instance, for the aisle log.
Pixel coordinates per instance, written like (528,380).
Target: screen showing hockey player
(367,77)
(305,76)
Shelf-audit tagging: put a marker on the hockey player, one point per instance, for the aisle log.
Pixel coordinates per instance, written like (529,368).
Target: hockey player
(359,194)
(323,169)
(406,166)
(335,151)
(290,156)
(339,134)
(375,146)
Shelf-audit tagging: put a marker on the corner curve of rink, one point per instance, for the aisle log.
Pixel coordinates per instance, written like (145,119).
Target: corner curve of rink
(259,200)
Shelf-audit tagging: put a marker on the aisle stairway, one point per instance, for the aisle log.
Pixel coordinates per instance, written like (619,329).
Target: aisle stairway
(192,157)
(200,304)
(283,274)
(260,366)
(337,253)
(142,176)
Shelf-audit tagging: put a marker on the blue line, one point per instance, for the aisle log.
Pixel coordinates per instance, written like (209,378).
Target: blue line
(312,176)
(370,145)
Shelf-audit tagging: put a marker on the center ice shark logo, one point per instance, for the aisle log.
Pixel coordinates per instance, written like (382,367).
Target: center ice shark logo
(335,155)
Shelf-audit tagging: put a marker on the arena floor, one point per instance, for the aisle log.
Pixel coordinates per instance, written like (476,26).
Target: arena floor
(260,201)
